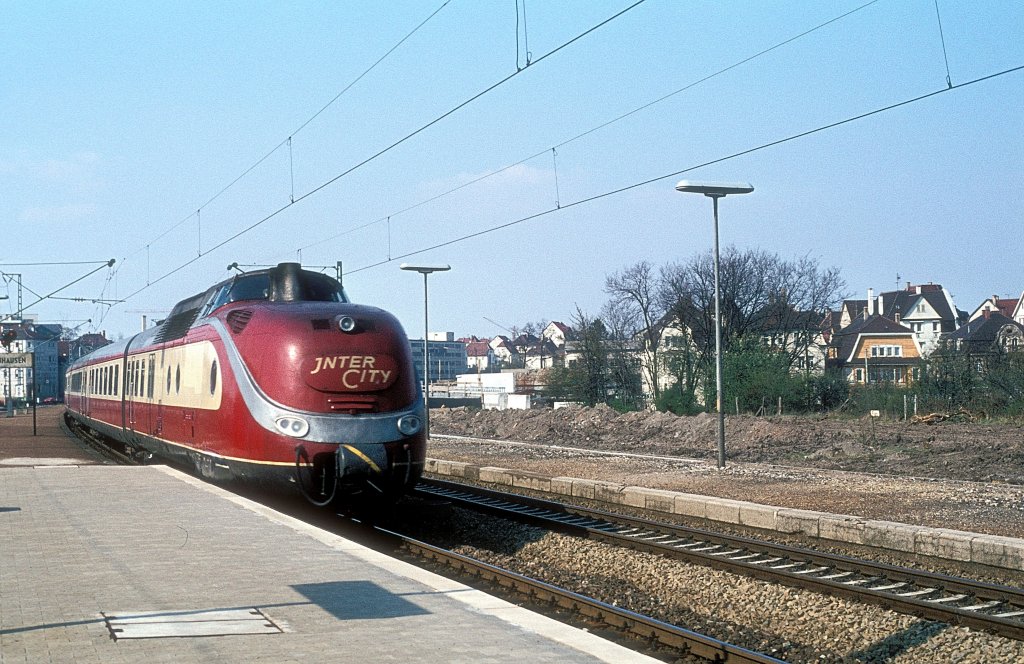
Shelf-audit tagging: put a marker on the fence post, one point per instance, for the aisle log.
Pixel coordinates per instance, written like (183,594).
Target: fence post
(904,407)
(737,405)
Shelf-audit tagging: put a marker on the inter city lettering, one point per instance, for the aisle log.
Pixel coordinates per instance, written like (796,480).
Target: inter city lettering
(344,362)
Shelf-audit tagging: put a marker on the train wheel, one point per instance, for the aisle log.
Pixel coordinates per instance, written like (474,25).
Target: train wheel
(317,479)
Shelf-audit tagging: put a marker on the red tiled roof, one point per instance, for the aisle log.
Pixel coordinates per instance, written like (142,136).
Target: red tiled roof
(477,349)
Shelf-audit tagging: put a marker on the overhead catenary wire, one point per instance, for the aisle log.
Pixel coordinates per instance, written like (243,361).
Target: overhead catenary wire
(52,296)
(108,264)
(390,147)
(302,126)
(49,263)
(675,174)
(942,38)
(597,127)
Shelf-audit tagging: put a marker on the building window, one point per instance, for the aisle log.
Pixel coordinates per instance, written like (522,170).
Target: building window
(860,375)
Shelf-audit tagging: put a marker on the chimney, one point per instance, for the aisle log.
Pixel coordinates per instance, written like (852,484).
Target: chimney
(910,289)
(880,305)
(986,313)
(871,302)
(896,317)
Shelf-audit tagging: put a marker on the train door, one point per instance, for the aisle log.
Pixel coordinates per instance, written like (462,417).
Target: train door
(86,387)
(131,395)
(123,386)
(154,420)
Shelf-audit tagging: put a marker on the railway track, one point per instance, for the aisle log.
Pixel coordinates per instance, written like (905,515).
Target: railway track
(993,608)
(104,446)
(628,622)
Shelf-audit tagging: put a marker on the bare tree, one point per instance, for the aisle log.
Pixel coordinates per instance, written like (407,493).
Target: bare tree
(763,296)
(766,300)
(624,372)
(634,293)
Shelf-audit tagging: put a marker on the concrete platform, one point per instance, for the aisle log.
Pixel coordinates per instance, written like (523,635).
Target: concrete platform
(153,552)
(50,446)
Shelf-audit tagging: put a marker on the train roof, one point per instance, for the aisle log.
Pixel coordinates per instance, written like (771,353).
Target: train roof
(285,282)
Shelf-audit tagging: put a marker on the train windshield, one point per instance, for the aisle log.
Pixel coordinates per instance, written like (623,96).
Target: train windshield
(298,286)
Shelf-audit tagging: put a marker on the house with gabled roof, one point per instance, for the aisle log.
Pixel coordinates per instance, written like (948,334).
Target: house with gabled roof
(504,351)
(481,357)
(851,311)
(557,333)
(927,309)
(1002,305)
(1018,311)
(543,354)
(802,335)
(1012,308)
(875,349)
(990,334)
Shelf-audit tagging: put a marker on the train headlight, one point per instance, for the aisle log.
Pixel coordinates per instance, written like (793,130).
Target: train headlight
(409,424)
(296,427)
(346,323)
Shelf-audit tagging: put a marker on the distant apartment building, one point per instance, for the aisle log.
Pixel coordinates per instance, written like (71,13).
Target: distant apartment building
(41,339)
(447,357)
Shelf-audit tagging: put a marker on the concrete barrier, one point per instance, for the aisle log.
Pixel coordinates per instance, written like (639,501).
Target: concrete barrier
(993,550)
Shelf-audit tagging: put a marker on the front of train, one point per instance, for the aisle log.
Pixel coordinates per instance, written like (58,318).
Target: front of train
(328,387)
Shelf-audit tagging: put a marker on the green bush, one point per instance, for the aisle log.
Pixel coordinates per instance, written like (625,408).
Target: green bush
(678,402)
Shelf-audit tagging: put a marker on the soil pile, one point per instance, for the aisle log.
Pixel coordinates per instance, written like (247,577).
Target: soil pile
(953,449)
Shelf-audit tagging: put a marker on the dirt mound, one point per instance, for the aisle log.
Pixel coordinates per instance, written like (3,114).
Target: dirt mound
(954,448)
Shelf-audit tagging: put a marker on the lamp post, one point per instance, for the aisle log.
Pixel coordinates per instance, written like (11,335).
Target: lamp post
(714,191)
(425,270)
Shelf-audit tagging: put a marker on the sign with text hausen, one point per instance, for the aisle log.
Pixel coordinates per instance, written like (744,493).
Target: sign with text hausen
(15,360)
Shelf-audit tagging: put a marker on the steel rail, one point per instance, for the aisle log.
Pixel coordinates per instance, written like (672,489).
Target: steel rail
(635,624)
(97,442)
(954,600)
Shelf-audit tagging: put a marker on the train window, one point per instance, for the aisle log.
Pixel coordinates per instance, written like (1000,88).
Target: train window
(142,378)
(103,380)
(168,380)
(255,287)
(213,378)
(152,376)
(320,288)
(117,379)
(219,298)
(177,379)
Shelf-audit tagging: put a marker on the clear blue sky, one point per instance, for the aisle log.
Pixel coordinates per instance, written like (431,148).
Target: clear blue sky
(118,120)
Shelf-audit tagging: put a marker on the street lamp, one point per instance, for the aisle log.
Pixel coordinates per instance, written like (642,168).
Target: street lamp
(425,270)
(714,191)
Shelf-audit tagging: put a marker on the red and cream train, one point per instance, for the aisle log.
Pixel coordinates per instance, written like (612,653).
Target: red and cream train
(271,376)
